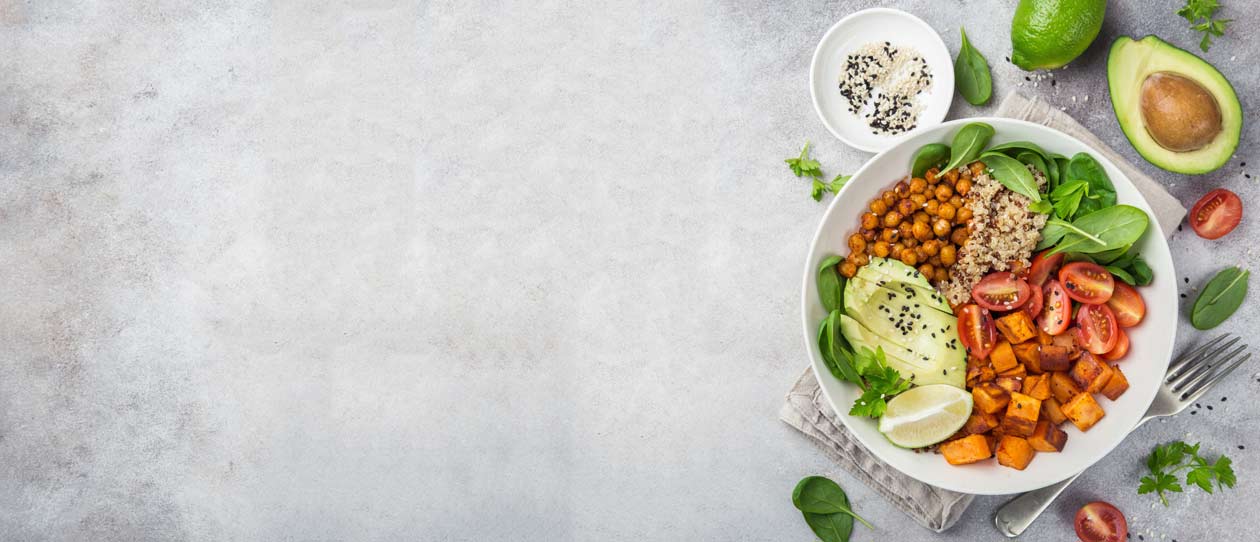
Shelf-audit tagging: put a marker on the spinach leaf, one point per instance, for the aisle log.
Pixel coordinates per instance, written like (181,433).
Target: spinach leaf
(1122,275)
(971,71)
(928,156)
(1051,234)
(1035,160)
(1012,174)
(1220,298)
(826,508)
(1102,194)
(1067,198)
(1119,257)
(968,143)
(1104,230)
(836,352)
(830,527)
(831,284)
(1141,272)
(1012,148)
(1052,174)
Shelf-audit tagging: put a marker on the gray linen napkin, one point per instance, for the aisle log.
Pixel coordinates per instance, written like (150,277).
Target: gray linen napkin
(807,409)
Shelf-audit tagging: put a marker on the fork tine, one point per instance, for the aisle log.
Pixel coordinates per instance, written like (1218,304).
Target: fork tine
(1194,393)
(1205,369)
(1196,356)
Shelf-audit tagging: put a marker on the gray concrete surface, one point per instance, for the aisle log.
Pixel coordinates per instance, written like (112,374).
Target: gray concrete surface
(465,270)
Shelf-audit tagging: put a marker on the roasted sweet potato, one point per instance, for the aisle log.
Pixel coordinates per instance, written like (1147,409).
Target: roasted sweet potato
(1051,410)
(1017,327)
(1083,411)
(1029,354)
(1021,415)
(1003,357)
(1054,358)
(1047,437)
(1068,340)
(966,450)
(1090,373)
(1018,371)
(1010,383)
(1063,387)
(990,398)
(1116,385)
(1044,338)
(1037,386)
(980,422)
(977,374)
(1014,452)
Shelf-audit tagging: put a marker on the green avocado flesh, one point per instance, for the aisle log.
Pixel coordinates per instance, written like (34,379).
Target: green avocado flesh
(1177,110)
(920,342)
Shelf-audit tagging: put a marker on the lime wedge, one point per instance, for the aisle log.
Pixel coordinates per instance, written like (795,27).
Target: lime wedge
(925,415)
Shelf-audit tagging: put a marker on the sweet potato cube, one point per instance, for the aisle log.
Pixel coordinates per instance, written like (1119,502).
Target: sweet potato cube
(1083,411)
(1014,452)
(1044,338)
(1116,385)
(1063,387)
(1021,415)
(1037,386)
(977,374)
(1003,357)
(1051,410)
(1018,371)
(980,422)
(1029,354)
(1054,358)
(1068,340)
(990,398)
(966,450)
(1017,327)
(1047,437)
(1010,383)
(1090,373)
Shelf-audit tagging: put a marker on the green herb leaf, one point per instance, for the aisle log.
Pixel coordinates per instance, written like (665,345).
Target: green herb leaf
(971,73)
(1012,174)
(1220,298)
(804,166)
(1103,230)
(1167,460)
(1200,14)
(929,156)
(1067,198)
(831,284)
(1043,207)
(882,383)
(968,144)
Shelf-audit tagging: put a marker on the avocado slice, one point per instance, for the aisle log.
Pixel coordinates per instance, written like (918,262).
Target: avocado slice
(911,366)
(1177,110)
(885,273)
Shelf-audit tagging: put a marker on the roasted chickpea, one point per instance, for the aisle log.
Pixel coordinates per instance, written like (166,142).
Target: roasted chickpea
(922,231)
(882,248)
(977,168)
(963,186)
(870,221)
(879,207)
(941,274)
(919,200)
(935,260)
(858,259)
(927,270)
(848,269)
(906,229)
(951,176)
(943,192)
(889,235)
(941,227)
(902,189)
(917,185)
(889,197)
(931,247)
(857,243)
(959,237)
(956,201)
(963,215)
(910,242)
(946,211)
(931,174)
(897,248)
(948,255)
(869,235)
(892,219)
(921,216)
(906,207)
(918,253)
(908,257)
(931,207)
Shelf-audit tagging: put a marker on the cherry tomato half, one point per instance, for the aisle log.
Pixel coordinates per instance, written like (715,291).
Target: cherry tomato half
(1033,306)
(1056,310)
(1043,267)
(1100,522)
(1097,330)
(1087,282)
(976,330)
(1127,303)
(1120,349)
(1001,291)
(1216,214)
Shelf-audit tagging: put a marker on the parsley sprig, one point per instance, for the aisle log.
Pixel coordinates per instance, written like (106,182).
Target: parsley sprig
(804,166)
(1200,14)
(879,382)
(1169,460)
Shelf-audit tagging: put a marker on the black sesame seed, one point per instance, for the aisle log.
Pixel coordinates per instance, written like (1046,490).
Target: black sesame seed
(1223,399)
(1209,407)
(1241,447)
(1183,296)
(1187,279)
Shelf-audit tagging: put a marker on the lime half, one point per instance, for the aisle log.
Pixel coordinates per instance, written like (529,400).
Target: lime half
(925,415)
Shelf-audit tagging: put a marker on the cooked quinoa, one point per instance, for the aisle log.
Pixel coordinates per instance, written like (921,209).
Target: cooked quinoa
(1003,232)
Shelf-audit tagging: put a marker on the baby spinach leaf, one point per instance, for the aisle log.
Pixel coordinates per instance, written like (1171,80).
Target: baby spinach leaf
(1012,174)
(1012,148)
(1102,193)
(1122,275)
(826,508)
(968,143)
(1141,272)
(831,284)
(1052,174)
(1220,298)
(836,353)
(1035,160)
(1104,230)
(830,527)
(929,156)
(1051,234)
(971,72)
(1041,207)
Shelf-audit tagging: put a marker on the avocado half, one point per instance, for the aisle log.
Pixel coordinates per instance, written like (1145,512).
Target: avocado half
(1177,110)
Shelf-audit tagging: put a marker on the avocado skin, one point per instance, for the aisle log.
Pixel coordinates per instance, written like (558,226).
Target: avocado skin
(1130,61)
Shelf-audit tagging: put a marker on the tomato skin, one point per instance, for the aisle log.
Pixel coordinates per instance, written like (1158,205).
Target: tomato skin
(1100,522)
(1087,282)
(1033,306)
(1127,304)
(1215,214)
(1097,330)
(1056,310)
(1043,267)
(1001,291)
(976,330)
(1121,348)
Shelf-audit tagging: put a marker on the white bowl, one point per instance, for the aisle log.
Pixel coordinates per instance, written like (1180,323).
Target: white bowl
(850,34)
(1145,365)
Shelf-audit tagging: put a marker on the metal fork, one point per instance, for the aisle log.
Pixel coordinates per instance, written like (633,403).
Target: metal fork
(1188,378)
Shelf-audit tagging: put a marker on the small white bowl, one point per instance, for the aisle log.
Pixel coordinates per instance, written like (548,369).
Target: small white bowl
(853,32)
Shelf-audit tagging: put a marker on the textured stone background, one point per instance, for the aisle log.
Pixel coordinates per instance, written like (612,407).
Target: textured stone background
(464,270)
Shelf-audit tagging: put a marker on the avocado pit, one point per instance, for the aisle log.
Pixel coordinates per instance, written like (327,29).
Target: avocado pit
(1179,114)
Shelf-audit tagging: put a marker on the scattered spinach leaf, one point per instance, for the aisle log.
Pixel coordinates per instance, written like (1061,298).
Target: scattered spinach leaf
(1012,174)
(1121,274)
(968,144)
(971,71)
(929,156)
(830,527)
(1220,298)
(826,508)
